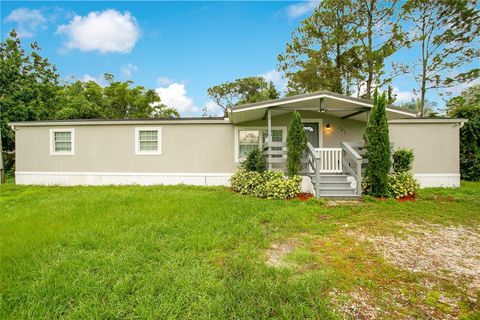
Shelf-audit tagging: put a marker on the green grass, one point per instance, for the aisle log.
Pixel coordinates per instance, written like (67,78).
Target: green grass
(191,252)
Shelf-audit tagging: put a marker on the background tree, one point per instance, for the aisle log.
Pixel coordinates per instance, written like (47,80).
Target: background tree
(240,91)
(429,109)
(28,86)
(322,54)
(379,37)
(444,31)
(296,143)
(467,106)
(342,46)
(30,90)
(125,102)
(377,143)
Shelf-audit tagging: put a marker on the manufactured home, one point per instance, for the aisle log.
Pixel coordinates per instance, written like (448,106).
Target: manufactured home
(207,151)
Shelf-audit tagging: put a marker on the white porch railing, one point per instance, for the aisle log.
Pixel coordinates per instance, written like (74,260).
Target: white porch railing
(331,160)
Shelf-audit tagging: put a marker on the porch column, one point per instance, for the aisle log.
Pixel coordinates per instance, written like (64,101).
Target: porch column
(269,136)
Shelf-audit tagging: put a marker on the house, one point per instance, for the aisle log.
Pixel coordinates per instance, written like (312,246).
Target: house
(206,151)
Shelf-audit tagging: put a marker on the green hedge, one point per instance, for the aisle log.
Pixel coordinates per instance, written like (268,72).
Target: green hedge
(267,184)
(402,160)
(255,161)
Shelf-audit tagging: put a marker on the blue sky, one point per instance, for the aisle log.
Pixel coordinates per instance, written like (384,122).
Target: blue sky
(180,48)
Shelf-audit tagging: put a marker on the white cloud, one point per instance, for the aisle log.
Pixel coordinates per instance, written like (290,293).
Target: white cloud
(128,70)
(28,21)
(87,77)
(99,80)
(457,89)
(164,81)
(175,96)
(403,96)
(106,31)
(277,78)
(302,8)
(213,109)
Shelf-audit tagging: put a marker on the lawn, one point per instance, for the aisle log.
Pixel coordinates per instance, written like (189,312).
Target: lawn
(192,252)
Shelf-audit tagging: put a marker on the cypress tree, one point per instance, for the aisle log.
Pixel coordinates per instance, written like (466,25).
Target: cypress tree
(377,143)
(296,143)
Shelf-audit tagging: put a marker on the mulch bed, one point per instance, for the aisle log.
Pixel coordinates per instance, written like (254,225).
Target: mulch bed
(410,197)
(304,196)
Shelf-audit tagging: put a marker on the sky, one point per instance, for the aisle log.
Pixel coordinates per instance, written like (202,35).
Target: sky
(179,48)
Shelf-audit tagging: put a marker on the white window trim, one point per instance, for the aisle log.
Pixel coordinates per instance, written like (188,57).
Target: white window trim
(320,129)
(260,128)
(52,142)
(139,152)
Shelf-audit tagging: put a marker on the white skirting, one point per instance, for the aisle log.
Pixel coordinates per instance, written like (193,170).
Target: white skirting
(120,178)
(428,180)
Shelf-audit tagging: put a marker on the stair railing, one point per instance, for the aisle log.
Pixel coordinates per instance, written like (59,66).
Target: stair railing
(352,163)
(314,163)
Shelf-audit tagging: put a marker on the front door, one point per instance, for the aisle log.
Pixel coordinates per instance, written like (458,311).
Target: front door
(311,129)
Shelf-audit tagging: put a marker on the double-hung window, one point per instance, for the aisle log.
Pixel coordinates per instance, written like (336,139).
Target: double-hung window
(148,141)
(248,140)
(251,139)
(62,142)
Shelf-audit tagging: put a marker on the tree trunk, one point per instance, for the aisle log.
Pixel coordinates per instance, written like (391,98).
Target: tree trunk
(423,83)
(338,72)
(369,10)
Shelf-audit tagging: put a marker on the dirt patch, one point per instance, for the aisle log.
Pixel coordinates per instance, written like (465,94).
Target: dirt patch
(334,203)
(450,253)
(322,217)
(358,306)
(277,252)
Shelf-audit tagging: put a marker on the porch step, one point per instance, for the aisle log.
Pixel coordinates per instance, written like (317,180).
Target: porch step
(335,186)
(331,177)
(337,192)
(341,197)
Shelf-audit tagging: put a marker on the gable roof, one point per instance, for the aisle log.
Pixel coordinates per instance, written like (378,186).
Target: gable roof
(312,101)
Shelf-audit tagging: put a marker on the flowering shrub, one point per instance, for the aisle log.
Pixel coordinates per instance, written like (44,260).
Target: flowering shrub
(267,184)
(401,185)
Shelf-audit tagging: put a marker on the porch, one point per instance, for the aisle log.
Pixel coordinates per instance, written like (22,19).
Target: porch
(333,172)
(332,164)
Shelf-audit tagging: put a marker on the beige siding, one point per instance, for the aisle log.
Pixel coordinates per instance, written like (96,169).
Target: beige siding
(186,148)
(436,145)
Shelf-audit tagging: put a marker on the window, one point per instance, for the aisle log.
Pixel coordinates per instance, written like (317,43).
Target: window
(251,139)
(248,140)
(62,142)
(148,141)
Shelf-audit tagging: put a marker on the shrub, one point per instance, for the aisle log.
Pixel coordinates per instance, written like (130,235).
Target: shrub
(296,143)
(9,162)
(377,143)
(402,160)
(401,185)
(267,184)
(279,187)
(255,161)
(467,106)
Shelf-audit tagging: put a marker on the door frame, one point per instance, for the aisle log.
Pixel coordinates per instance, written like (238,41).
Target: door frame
(320,129)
